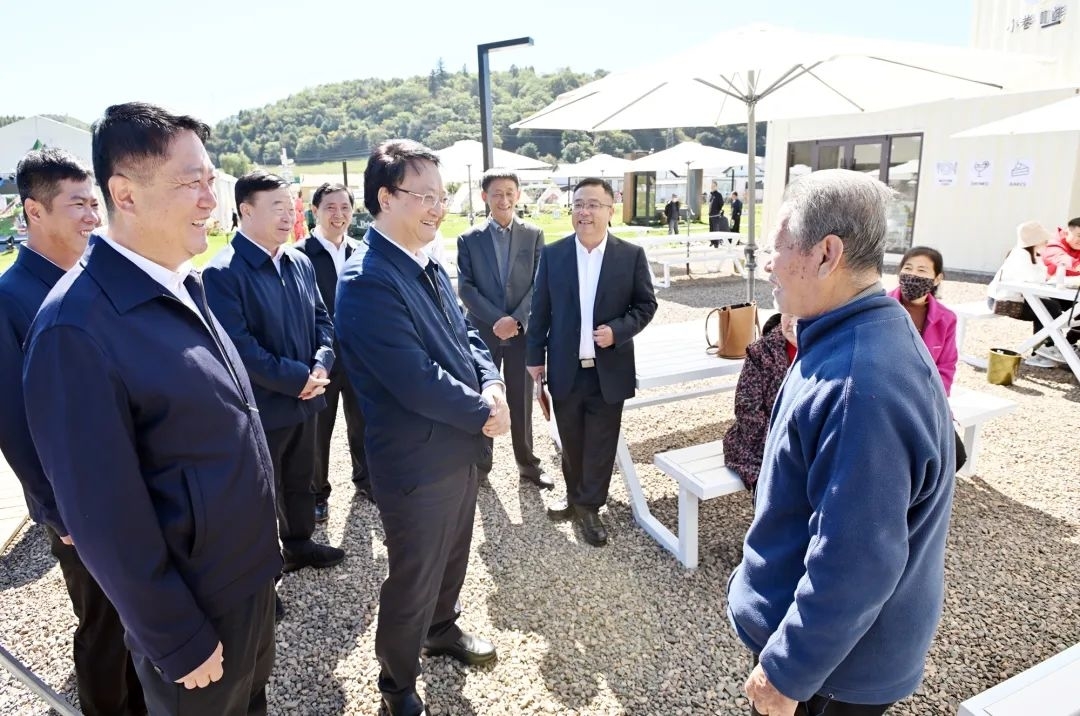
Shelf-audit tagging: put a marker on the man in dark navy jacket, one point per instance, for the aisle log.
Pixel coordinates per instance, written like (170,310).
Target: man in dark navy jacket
(328,247)
(61,210)
(430,394)
(265,295)
(144,420)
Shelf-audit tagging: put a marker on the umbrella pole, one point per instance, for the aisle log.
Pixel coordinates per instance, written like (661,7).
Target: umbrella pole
(751,175)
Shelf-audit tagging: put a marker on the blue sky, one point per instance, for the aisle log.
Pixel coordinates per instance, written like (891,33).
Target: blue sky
(211,58)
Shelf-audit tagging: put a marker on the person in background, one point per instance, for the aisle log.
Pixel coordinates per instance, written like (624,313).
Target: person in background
(58,199)
(1022,264)
(736,211)
(716,207)
(767,362)
(1063,252)
(671,213)
(921,272)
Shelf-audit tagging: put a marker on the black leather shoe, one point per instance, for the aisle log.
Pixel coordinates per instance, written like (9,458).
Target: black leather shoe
(542,480)
(279,609)
(560,511)
(468,649)
(592,529)
(322,511)
(406,704)
(312,554)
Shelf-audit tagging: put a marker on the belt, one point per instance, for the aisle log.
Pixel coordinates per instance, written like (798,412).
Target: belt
(587,362)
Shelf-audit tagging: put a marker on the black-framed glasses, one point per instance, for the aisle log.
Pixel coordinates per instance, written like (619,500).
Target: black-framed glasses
(428,201)
(590,206)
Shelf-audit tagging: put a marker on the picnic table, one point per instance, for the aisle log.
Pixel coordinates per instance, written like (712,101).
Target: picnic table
(1035,293)
(687,248)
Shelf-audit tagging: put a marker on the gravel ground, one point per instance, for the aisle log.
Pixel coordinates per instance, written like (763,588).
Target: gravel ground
(625,629)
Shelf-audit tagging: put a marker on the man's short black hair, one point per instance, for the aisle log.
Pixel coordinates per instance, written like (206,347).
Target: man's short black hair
(1074,223)
(129,135)
(596,181)
(255,181)
(734,193)
(39,173)
(386,168)
(328,188)
(492,174)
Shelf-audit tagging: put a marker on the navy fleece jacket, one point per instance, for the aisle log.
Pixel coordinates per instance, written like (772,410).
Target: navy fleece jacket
(842,580)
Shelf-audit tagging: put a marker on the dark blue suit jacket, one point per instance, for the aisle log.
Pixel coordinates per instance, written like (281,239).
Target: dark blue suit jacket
(326,277)
(624,301)
(279,325)
(418,369)
(145,425)
(22,289)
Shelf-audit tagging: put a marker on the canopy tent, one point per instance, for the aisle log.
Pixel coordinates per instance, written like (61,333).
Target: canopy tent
(765,72)
(464,160)
(18,138)
(697,156)
(1063,116)
(598,165)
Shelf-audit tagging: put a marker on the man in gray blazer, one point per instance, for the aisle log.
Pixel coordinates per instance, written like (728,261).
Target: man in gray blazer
(496,267)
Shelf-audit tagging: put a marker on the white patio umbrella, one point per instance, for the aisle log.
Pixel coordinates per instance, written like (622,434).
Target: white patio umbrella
(1062,116)
(598,165)
(765,72)
(464,159)
(689,155)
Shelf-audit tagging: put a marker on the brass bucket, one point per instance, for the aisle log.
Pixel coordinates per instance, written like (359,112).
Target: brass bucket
(1002,367)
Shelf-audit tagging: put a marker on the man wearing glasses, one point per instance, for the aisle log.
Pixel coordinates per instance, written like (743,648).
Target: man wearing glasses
(496,266)
(593,294)
(431,396)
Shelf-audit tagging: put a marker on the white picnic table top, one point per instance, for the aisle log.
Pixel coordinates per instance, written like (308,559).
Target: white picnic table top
(672,353)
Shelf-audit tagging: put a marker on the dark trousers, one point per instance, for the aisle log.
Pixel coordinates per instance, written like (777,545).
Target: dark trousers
(292,451)
(714,224)
(1055,307)
(589,432)
(510,358)
(247,639)
(822,706)
(354,426)
(735,222)
(428,533)
(104,673)
(673,225)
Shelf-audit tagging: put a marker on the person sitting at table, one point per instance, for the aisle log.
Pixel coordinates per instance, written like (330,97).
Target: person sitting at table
(921,272)
(1063,252)
(1023,264)
(767,362)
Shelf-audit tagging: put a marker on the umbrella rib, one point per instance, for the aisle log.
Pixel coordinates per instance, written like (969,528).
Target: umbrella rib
(628,105)
(734,95)
(935,72)
(557,108)
(788,77)
(838,93)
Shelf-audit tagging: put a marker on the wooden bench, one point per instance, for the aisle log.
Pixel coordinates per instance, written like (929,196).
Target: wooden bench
(700,471)
(971,311)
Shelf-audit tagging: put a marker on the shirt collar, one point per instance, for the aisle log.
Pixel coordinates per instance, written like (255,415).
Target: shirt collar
(317,232)
(499,227)
(585,252)
(171,280)
(420,258)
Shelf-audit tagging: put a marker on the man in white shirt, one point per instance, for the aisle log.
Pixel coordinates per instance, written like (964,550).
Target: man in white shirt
(328,247)
(593,294)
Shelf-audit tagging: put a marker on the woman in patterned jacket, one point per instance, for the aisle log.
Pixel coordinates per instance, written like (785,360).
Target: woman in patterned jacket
(766,364)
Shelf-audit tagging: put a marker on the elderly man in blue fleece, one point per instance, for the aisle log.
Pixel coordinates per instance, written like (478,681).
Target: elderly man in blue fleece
(841,584)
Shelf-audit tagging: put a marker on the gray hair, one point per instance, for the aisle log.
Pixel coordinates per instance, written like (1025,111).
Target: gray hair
(849,204)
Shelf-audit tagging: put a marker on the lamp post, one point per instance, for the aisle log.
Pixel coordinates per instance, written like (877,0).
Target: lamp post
(468,170)
(485,92)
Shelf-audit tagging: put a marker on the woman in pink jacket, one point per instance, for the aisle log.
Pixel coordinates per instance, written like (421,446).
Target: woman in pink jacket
(921,272)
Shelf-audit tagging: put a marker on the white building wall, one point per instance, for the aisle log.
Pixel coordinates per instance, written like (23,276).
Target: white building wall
(973,226)
(1018,26)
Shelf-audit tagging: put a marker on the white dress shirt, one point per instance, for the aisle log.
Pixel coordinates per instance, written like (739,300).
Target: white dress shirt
(337,253)
(274,257)
(588,276)
(172,281)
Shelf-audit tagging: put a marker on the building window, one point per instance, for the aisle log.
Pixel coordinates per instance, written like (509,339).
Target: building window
(894,159)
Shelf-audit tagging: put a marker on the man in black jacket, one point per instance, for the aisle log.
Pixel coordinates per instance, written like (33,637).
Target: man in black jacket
(265,295)
(328,247)
(671,213)
(61,211)
(593,294)
(736,211)
(146,427)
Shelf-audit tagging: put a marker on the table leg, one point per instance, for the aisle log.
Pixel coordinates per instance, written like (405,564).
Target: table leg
(1053,327)
(971,447)
(639,505)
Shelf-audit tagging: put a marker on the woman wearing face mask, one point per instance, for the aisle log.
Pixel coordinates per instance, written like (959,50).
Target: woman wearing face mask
(763,371)
(921,272)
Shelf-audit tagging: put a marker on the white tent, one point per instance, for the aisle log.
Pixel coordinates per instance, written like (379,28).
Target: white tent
(1063,116)
(698,156)
(598,165)
(464,160)
(18,138)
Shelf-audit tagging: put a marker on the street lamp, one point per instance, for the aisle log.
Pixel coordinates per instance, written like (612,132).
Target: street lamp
(485,92)
(468,170)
